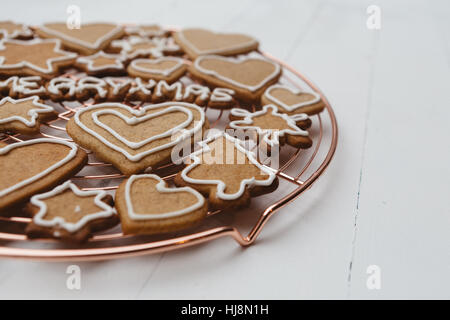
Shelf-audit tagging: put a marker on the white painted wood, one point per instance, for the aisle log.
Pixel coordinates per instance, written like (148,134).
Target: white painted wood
(384,199)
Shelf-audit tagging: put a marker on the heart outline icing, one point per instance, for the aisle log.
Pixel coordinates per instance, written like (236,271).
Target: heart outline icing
(295,92)
(177,106)
(237,61)
(162,188)
(251,42)
(179,63)
(71,154)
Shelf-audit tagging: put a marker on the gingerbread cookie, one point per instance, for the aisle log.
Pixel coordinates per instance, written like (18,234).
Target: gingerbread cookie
(168,69)
(271,127)
(227,173)
(133,140)
(12,30)
(293,101)
(70,214)
(101,64)
(146,31)
(146,205)
(247,76)
(34,166)
(87,40)
(35,57)
(24,115)
(136,47)
(196,42)
(21,87)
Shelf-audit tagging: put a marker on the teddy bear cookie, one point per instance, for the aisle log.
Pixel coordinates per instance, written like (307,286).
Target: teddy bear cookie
(87,40)
(33,166)
(135,139)
(248,76)
(196,42)
(169,69)
(225,172)
(146,205)
(24,115)
(293,101)
(271,127)
(34,57)
(70,214)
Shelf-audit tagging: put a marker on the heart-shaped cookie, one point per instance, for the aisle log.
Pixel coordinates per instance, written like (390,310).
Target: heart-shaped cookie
(292,101)
(36,165)
(248,76)
(168,69)
(131,139)
(88,39)
(146,205)
(196,42)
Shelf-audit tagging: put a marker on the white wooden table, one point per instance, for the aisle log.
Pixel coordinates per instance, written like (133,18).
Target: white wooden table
(384,200)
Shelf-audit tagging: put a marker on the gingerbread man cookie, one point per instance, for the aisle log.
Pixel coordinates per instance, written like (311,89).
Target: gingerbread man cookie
(293,101)
(87,40)
(196,42)
(146,205)
(133,140)
(70,214)
(227,173)
(248,76)
(24,115)
(271,127)
(34,166)
(35,57)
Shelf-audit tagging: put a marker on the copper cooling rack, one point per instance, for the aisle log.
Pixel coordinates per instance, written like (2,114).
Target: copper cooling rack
(297,171)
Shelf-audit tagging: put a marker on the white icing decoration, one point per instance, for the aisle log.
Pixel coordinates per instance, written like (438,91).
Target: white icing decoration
(140,86)
(77,209)
(117,84)
(144,33)
(126,47)
(23,32)
(137,113)
(26,64)
(70,156)
(58,83)
(92,83)
(197,90)
(33,113)
(221,186)
(89,61)
(38,219)
(270,136)
(237,61)
(140,116)
(161,187)
(164,72)
(95,45)
(28,85)
(222,95)
(174,86)
(182,37)
(293,91)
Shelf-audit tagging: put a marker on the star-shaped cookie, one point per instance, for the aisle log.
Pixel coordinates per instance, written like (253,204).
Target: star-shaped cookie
(12,30)
(70,214)
(24,115)
(101,64)
(35,57)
